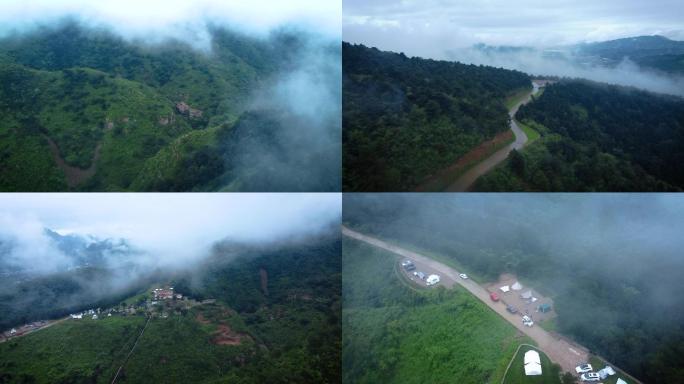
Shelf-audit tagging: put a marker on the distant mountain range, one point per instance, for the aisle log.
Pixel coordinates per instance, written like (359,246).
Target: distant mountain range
(653,52)
(81,251)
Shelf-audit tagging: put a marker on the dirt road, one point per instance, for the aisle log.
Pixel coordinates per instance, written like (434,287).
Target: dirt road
(467,180)
(559,350)
(49,324)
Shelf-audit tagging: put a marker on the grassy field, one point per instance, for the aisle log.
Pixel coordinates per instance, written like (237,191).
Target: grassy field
(414,336)
(74,351)
(516,97)
(531,134)
(516,373)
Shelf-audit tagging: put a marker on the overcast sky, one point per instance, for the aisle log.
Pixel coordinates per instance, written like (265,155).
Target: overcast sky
(172,226)
(412,26)
(178,18)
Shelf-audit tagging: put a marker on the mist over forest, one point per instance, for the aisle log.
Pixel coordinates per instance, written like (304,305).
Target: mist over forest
(177,97)
(612,263)
(112,246)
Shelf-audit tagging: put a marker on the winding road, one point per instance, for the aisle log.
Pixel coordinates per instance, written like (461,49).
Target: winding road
(465,181)
(558,349)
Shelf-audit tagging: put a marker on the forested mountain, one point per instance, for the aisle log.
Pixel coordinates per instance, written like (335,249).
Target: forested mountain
(406,118)
(597,137)
(83,109)
(610,263)
(278,306)
(645,50)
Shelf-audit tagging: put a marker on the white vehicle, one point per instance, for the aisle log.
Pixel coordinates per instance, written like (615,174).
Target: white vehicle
(584,368)
(527,321)
(590,377)
(463,276)
(432,280)
(406,263)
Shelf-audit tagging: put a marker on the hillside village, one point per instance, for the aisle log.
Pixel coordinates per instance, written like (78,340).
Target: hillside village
(157,302)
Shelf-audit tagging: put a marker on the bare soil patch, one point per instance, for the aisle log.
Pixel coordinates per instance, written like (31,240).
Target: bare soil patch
(446,176)
(74,175)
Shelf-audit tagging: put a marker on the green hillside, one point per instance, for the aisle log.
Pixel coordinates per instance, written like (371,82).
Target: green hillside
(597,137)
(397,334)
(83,109)
(276,319)
(407,118)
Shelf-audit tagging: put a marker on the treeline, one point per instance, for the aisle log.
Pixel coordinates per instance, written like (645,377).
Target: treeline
(611,266)
(597,138)
(405,118)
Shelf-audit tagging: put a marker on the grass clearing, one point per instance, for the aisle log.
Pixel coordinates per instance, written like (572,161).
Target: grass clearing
(516,97)
(530,132)
(411,335)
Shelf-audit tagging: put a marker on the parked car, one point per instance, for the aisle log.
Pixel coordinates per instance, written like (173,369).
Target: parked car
(494,296)
(463,276)
(584,368)
(511,309)
(419,275)
(432,280)
(591,376)
(406,263)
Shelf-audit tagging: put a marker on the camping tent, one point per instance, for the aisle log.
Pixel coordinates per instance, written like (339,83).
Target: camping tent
(526,295)
(532,363)
(605,372)
(516,286)
(620,381)
(544,308)
(505,288)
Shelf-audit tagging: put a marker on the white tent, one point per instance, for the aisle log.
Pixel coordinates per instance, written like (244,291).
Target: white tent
(505,288)
(532,363)
(526,295)
(516,286)
(432,279)
(620,381)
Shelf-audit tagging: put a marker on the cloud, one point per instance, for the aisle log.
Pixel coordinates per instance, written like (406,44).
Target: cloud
(533,62)
(173,230)
(416,27)
(186,20)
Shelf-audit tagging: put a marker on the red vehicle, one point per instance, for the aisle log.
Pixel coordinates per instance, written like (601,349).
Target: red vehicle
(494,296)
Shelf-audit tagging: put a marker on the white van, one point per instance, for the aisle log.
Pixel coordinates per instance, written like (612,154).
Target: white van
(432,280)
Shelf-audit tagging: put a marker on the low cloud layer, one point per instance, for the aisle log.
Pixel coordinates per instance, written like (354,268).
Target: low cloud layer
(185,20)
(447,31)
(420,27)
(533,62)
(170,230)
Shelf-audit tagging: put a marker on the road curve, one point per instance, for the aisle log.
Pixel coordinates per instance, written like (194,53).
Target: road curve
(567,354)
(466,180)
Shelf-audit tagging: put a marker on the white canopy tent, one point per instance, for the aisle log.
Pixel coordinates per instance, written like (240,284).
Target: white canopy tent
(526,295)
(516,286)
(505,288)
(532,363)
(620,381)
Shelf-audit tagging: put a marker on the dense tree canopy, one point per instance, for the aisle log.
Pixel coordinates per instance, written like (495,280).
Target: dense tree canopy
(598,138)
(405,118)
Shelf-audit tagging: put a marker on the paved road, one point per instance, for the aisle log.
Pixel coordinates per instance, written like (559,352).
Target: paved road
(467,180)
(559,350)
